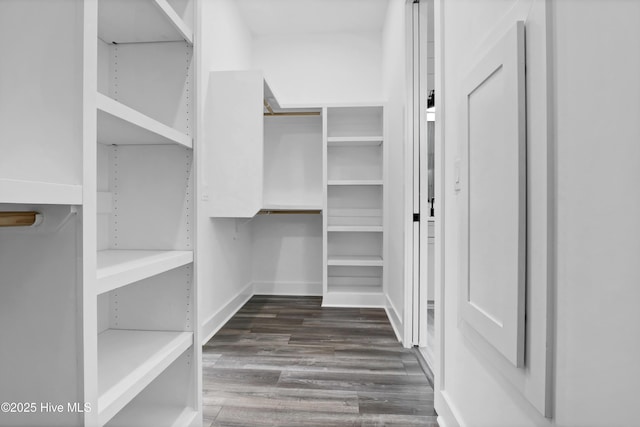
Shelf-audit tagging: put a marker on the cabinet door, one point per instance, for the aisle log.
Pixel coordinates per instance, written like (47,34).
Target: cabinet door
(233,140)
(493,259)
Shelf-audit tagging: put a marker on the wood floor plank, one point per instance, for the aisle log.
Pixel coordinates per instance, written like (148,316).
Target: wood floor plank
(287,361)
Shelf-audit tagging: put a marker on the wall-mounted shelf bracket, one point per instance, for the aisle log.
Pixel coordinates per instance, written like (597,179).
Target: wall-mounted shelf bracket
(73,211)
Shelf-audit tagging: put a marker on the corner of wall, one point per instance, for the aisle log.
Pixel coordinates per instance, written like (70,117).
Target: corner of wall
(394,319)
(218,319)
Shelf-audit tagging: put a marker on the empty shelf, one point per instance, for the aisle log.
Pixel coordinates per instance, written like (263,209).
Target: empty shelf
(354,216)
(153,415)
(128,361)
(355,182)
(126,21)
(118,268)
(354,141)
(37,192)
(122,125)
(355,261)
(355,228)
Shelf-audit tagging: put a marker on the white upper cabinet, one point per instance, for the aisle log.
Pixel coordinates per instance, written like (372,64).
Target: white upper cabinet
(233,139)
(258,155)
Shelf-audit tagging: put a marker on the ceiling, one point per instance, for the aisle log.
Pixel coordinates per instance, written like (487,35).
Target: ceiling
(269,17)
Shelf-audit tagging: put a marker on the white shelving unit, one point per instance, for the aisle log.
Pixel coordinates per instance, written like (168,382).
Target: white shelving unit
(121,125)
(354,141)
(356,260)
(118,268)
(155,415)
(126,21)
(144,350)
(353,182)
(354,228)
(353,224)
(128,361)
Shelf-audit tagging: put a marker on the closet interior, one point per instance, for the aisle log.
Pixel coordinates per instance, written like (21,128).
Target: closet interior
(311,185)
(99,205)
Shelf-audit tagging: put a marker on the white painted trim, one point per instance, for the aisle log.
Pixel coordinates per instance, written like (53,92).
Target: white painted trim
(448,415)
(287,288)
(197,163)
(394,319)
(87,232)
(408,180)
(440,196)
(353,300)
(222,316)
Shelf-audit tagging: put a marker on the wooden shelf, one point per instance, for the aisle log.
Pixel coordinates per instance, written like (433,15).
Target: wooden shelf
(118,268)
(354,141)
(355,261)
(354,228)
(122,125)
(153,415)
(355,182)
(126,21)
(37,193)
(128,361)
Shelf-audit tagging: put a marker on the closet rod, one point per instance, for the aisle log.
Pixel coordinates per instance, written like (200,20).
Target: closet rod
(270,111)
(18,219)
(291,113)
(288,212)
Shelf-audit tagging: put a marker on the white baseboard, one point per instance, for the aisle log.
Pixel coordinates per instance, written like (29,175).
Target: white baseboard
(287,288)
(448,416)
(222,316)
(394,319)
(348,299)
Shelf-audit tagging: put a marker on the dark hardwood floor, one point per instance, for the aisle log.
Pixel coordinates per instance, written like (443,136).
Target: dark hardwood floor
(286,361)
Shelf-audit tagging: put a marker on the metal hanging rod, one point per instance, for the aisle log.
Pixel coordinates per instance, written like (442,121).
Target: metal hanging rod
(289,212)
(19,219)
(271,113)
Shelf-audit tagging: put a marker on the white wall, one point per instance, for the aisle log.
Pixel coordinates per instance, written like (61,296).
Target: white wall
(223,245)
(316,69)
(598,207)
(287,254)
(597,167)
(394,90)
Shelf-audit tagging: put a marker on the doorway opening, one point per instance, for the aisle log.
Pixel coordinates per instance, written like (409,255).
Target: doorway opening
(425,181)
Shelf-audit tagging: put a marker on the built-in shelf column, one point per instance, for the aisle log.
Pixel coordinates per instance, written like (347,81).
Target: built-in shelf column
(354,228)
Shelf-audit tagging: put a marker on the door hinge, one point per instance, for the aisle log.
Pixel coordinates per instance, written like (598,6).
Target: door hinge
(416,217)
